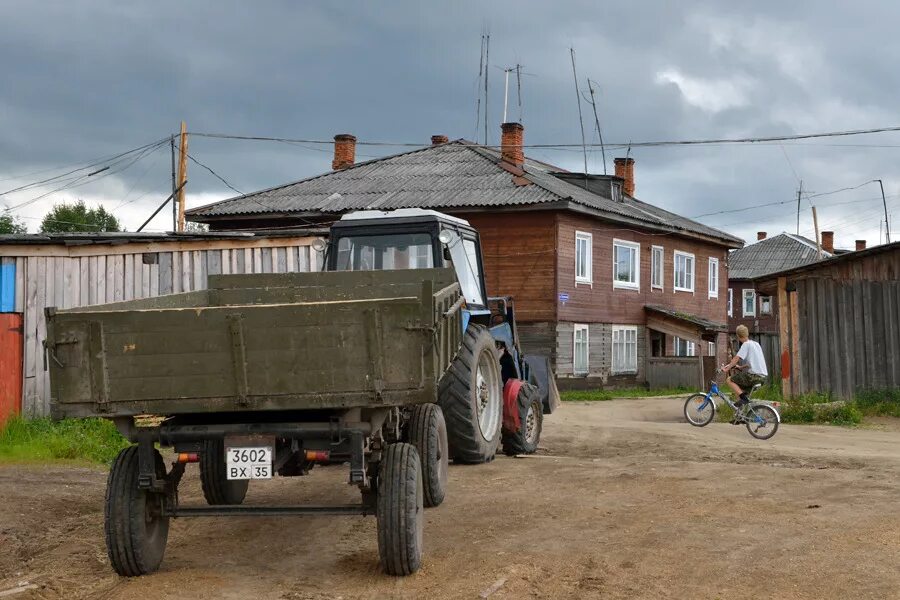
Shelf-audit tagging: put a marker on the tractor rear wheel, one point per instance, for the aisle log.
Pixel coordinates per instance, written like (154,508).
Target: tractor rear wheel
(217,488)
(427,431)
(531,419)
(471,395)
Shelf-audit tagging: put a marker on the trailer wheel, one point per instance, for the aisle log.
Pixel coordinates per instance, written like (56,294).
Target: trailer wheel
(531,420)
(427,431)
(136,531)
(471,395)
(400,510)
(217,488)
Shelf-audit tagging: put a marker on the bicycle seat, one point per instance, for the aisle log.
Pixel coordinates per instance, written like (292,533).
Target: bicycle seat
(755,387)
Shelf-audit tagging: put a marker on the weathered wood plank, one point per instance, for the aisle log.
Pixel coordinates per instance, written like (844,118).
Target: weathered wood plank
(213,262)
(859,338)
(36,351)
(279,260)
(20,284)
(187,272)
(267,261)
(290,257)
(176,273)
(303,258)
(128,290)
(84,272)
(165,273)
(784,339)
(198,270)
(153,279)
(257,260)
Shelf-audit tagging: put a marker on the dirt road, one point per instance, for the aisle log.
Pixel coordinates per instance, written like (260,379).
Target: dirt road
(623,501)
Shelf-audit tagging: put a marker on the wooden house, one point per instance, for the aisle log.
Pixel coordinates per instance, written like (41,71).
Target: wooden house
(615,290)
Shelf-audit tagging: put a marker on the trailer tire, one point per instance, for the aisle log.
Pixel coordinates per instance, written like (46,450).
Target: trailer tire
(531,419)
(400,510)
(217,488)
(471,395)
(136,533)
(427,431)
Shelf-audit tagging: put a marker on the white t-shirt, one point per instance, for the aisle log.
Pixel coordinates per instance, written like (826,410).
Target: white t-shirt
(751,352)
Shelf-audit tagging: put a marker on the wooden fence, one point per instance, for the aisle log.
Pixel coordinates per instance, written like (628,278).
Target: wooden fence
(845,336)
(69,276)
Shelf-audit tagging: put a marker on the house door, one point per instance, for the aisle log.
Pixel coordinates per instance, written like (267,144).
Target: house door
(11,331)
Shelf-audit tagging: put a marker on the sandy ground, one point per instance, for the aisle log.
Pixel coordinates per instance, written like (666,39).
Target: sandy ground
(623,501)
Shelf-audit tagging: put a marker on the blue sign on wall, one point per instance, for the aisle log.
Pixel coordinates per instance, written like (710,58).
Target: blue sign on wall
(563,297)
(8,286)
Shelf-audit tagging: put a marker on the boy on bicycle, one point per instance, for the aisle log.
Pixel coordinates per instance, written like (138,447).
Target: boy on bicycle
(750,364)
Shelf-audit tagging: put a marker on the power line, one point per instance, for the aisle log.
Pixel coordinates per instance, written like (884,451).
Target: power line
(216,175)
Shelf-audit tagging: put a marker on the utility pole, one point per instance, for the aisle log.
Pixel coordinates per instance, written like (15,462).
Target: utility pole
(887,224)
(799,192)
(818,240)
(174,185)
(182,174)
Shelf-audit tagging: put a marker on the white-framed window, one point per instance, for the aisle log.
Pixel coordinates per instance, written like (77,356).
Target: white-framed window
(624,349)
(765,305)
(684,272)
(684,347)
(583,247)
(580,355)
(749,303)
(730,302)
(657,256)
(713,278)
(626,265)
(710,348)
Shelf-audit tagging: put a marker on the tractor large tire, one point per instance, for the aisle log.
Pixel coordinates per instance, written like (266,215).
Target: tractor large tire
(217,488)
(471,395)
(136,532)
(427,431)
(400,510)
(531,420)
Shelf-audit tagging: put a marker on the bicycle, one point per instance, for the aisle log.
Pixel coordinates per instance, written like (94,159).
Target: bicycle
(761,417)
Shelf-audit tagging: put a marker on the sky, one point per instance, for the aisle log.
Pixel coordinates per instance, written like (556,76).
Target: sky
(93,79)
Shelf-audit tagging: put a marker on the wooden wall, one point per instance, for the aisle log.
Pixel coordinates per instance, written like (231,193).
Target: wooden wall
(70,276)
(758,324)
(519,252)
(602,303)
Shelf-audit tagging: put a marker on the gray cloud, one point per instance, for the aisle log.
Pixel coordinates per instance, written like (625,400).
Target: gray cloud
(89,79)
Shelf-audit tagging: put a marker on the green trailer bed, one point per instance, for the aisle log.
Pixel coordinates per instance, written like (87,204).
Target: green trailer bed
(299,341)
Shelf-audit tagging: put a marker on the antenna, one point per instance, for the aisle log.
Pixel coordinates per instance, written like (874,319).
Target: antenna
(477,85)
(505,91)
(487,51)
(580,119)
(519,89)
(799,193)
(597,123)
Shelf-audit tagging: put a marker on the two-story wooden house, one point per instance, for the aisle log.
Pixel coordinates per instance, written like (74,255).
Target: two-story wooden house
(602,281)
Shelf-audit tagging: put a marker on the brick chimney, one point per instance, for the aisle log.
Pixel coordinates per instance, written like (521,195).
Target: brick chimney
(760,235)
(344,151)
(437,140)
(511,143)
(860,245)
(828,241)
(625,170)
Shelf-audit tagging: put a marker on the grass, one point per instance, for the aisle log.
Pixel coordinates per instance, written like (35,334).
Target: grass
(636,392)
(87,440)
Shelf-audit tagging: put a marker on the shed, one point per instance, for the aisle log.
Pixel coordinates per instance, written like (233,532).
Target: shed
(839,322)
(69,270)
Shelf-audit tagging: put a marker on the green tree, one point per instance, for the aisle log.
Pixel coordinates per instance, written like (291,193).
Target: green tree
(10,224)
(66,218)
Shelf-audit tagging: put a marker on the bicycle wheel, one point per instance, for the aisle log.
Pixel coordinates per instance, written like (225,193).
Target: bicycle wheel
(699,411)
(762,422)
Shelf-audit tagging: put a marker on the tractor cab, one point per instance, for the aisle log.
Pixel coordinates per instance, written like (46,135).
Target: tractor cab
(411,238)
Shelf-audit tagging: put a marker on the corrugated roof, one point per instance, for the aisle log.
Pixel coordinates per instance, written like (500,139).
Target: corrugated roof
(125,237)
(776,253)
(454,175)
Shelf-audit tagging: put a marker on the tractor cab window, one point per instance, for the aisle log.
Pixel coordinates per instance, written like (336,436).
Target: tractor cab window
(464,254)
(385,252)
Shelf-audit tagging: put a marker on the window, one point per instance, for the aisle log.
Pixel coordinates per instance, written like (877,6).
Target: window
(624,349)
(684,272)
(713,277)
(580,366)
(384,252)
(656,267)
(685,347)
(765,305)
(749,303)
(730,300)
(465,262)
(615,192)
(710,348)
(583,243)
(626,265)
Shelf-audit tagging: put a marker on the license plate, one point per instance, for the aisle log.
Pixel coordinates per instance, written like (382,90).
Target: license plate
(248,462)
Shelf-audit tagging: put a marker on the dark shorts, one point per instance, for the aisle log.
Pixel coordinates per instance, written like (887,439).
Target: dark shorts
(747,380)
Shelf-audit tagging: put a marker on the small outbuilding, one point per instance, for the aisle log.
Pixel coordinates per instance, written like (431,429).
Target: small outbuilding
(839,322)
